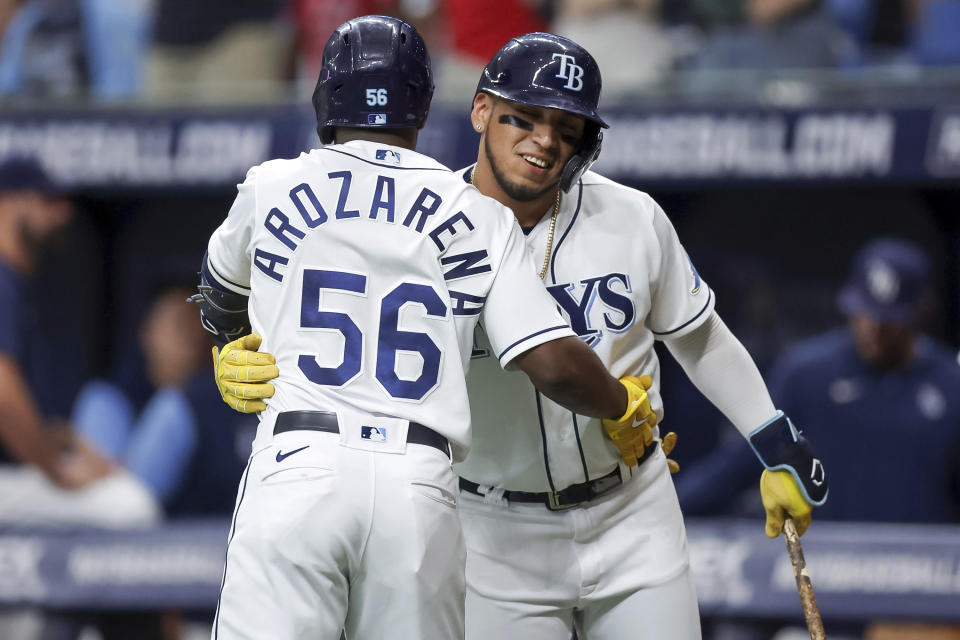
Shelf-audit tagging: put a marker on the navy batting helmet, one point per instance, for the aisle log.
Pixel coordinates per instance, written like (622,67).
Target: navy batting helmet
(375,73)
(545,70)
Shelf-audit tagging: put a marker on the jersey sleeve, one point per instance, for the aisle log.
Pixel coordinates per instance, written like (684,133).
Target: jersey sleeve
(228,252)
(519,314)
(681,301)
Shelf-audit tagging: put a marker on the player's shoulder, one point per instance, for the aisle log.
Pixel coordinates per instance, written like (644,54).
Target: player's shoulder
(601,195)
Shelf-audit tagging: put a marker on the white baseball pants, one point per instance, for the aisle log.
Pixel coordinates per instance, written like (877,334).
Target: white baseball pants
(614,568)
(333,537)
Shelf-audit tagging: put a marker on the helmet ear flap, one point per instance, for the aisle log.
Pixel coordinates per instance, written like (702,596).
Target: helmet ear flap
(325,133)
(583,158)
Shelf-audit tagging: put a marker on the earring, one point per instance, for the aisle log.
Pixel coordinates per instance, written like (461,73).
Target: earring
(479,127)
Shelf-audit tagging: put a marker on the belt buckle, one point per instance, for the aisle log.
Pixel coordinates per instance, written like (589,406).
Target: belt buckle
(553,502)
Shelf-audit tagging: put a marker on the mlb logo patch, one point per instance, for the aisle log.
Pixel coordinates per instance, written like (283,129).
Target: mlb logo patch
(388,154)
(373,434)
(376,118)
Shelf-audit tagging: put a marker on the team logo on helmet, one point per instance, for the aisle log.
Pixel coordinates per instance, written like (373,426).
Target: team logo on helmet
(570,71)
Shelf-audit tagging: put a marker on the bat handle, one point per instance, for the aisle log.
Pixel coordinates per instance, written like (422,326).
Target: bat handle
(810,610)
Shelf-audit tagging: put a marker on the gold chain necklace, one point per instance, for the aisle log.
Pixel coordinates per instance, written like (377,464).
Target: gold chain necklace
(553,225)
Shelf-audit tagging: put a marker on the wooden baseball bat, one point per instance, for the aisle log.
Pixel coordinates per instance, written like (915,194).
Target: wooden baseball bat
(810,610)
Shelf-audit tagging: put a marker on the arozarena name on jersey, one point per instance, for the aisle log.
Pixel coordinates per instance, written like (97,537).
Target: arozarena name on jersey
(382,208)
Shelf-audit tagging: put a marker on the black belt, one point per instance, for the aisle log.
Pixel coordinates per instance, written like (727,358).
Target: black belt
(327,421)
(572,496)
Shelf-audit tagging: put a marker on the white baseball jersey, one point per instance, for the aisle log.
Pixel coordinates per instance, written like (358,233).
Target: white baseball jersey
(367,268)
(622,279)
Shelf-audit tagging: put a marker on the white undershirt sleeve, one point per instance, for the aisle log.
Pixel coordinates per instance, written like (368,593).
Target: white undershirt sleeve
(722,369)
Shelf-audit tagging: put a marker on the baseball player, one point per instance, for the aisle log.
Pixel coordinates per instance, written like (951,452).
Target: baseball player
(365,267)
(564,531)
(594,543)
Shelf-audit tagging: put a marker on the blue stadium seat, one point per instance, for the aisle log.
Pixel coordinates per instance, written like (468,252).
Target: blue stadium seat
(936,37)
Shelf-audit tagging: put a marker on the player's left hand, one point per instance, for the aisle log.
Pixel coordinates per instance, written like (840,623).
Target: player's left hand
(633,431)
(781,499)
(242,372)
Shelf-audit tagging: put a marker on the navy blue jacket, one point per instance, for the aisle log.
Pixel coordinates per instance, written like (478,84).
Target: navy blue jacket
(890,440)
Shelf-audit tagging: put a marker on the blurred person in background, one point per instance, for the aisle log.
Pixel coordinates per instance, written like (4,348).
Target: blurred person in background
(880,387)
(42,49)
(222,50)
(480,28)
(477,29)
(179,441)
(772,35)
(174,452)
(315,20)
(901,32)
(32,213)
(627,38)
(881,27)
(933,33)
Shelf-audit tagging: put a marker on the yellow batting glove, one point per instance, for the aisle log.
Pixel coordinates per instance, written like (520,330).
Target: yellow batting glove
(632,432)
(667,443)
(782,498)
(241,373)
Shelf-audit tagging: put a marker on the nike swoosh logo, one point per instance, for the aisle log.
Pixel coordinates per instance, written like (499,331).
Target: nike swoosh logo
(281,456)
(637,423)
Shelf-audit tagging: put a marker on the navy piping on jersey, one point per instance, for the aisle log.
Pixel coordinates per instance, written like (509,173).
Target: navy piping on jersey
(559,326)
(553,277)
(583,459)
(543,439)
(217,278)
(699,313)
(385,166)
(553,259)
(233,530)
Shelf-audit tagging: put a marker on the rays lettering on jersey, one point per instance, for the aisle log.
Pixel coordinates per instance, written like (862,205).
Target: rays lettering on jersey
(379,205)
(615,313)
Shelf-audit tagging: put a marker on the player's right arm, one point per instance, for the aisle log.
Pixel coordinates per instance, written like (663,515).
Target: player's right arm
(224,290)
(794,480)
(527,332)
(65,460)
(20,423)
(569,373)
(55,451)
(240,371)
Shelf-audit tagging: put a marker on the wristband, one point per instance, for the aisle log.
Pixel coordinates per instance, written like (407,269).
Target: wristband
(779,445)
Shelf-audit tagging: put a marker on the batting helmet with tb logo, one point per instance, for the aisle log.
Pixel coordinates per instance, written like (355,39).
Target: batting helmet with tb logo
(545,70)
